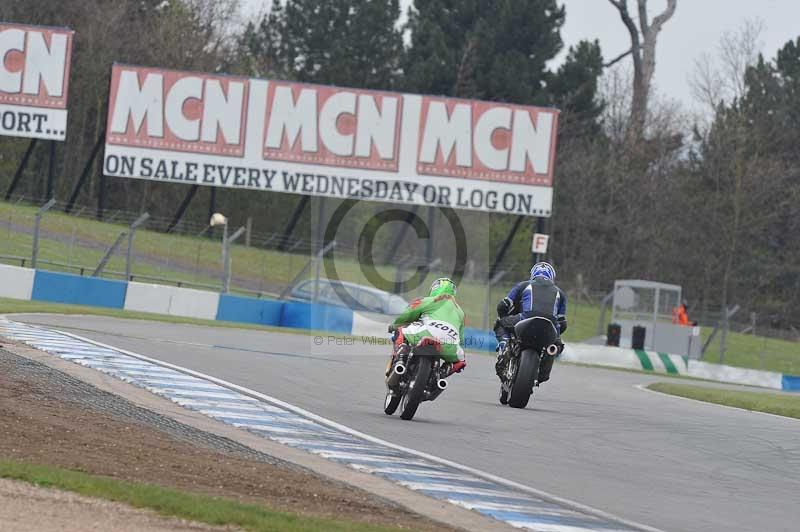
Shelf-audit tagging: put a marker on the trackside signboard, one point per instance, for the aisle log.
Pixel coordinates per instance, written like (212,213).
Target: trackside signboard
(234,132)
(34,81)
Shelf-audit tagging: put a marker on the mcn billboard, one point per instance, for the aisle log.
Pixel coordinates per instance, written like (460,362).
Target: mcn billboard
(236,132)
(34,81)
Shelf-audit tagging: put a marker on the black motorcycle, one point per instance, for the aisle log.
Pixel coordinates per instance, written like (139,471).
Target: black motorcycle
(534,339)
(418,374)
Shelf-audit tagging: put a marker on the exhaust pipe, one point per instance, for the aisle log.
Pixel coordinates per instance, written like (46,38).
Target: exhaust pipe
(441,385)
(394,377)
(552,350)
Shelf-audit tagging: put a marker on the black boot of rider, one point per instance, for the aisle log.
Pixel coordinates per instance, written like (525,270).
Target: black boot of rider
(502,359)
(545,368)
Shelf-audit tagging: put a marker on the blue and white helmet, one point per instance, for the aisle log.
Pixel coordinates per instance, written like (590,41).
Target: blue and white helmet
(543,270)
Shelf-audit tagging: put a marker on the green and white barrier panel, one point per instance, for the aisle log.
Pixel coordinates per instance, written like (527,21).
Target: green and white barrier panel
(625,358)
(637,359)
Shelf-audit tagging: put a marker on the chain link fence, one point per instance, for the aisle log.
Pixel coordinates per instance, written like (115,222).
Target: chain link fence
(272,265)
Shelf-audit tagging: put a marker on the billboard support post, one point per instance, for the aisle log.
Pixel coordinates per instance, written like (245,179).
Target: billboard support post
(101,196)
(85,174)
(182,208)
(429,244)
(493,281)
(504,248)
(212,208)
(401,235)
(21,168)
(298,210)
(51,170)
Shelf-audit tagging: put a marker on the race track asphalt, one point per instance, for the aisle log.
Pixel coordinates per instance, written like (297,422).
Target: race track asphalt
(590,435)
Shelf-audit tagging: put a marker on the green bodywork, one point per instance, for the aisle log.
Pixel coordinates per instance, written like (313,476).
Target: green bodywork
(434,312)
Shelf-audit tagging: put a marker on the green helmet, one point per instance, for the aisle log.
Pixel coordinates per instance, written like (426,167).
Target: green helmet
(443,286)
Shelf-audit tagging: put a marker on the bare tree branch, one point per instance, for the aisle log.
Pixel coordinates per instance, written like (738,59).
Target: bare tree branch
(617,59)
(643,52)
(659,21)
(643,23)
(622,7)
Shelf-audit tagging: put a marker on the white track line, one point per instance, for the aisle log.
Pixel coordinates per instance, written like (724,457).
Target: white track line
(343,428)
(644,388)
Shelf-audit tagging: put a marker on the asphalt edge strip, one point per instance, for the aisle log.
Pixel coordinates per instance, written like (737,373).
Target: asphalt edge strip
(568,503)
(382,489)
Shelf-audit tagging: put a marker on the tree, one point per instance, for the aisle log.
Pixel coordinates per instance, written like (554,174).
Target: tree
(722,77)
(341,42)
(259,47)
(574,90)
(643,51)
(484,49)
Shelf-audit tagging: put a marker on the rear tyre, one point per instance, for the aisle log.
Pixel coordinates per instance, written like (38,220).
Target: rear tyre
(390,403)
(416,387)
(522,385)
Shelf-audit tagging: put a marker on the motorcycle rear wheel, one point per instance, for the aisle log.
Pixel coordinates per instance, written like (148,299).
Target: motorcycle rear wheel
(522,386)
(416,387)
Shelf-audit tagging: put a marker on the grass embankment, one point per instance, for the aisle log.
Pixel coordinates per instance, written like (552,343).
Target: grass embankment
(772,403)
(195,259)
(170,502)
(758,352)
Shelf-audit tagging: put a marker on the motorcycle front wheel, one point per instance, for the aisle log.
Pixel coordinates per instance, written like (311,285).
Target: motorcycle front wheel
(390,403)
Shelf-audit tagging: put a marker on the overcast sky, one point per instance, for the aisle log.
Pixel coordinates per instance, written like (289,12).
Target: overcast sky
(696,28)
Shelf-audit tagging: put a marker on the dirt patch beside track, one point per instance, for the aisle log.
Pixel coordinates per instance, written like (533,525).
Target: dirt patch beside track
(47,417)
(26,508)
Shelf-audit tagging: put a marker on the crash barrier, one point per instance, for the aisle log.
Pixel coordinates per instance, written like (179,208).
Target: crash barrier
(76,290)
(28,284)
(16,282)
(172,300)
(677,365)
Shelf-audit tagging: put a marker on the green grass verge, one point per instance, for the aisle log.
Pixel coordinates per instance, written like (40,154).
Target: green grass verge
(194,259)
(773,403)
(170,502)
(757,352)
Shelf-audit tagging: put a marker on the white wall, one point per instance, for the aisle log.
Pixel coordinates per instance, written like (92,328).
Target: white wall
(751,377)
(16,282)
(601,355)
(172,300)
(370,324)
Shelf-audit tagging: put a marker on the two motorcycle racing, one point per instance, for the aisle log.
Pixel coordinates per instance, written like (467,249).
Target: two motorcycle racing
(428,336)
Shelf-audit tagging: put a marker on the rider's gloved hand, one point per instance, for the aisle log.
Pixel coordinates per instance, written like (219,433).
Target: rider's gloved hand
(504,307)
(458,366)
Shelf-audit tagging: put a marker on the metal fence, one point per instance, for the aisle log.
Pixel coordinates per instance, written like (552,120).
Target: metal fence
(269,264)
